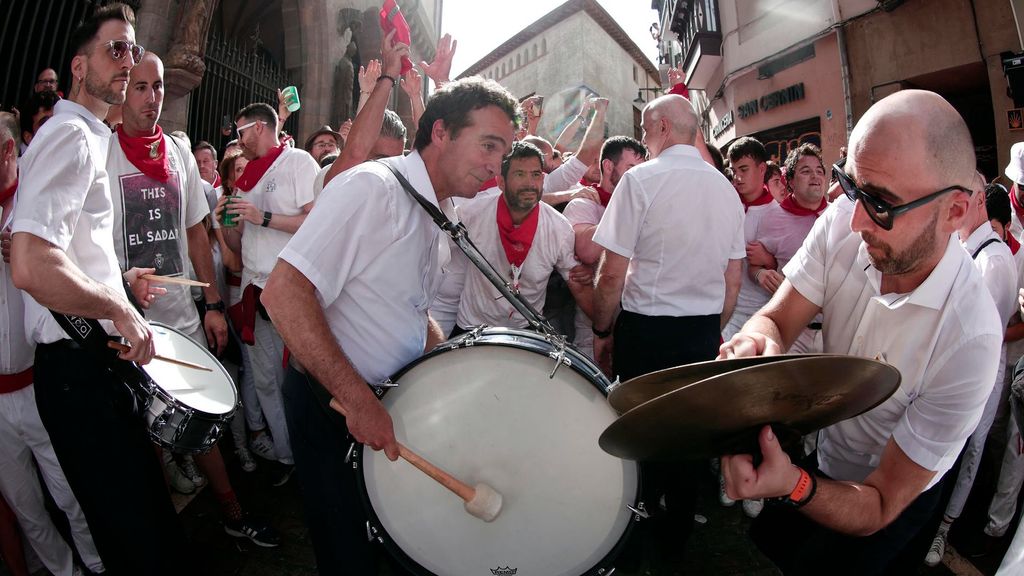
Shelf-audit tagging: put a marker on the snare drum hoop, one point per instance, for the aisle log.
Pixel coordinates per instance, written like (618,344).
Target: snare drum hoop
(171,401)
(522,339)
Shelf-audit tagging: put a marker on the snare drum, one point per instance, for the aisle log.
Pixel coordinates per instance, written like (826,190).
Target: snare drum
(185,409)
(486,408)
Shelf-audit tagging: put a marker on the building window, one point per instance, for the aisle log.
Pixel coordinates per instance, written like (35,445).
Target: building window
(503,69)
(543,45)
(636,76)
(519,61)
(534,50)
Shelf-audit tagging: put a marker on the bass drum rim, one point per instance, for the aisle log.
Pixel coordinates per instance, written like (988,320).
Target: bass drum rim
(514,339)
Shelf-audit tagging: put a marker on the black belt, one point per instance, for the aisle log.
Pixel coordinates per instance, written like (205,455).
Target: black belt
(814,326)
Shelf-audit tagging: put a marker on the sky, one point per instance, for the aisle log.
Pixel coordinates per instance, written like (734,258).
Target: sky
(505,18)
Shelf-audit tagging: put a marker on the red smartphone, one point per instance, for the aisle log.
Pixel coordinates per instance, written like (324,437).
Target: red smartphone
(391,18)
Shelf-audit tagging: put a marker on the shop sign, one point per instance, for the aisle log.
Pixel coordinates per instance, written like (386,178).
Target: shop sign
(723,124)
(771,100)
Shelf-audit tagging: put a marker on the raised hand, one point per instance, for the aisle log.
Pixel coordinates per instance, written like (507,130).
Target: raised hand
(441,67)
(368,76)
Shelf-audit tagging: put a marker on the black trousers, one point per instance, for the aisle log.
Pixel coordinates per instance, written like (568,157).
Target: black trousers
(645,344)
(800,546)
(334,514)
(110,462)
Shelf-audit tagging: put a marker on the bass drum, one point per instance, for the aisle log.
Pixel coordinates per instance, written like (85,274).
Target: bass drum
(485,408)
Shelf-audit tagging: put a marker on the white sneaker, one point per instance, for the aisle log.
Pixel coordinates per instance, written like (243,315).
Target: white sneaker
(189,468)
(263,447)
(175,478)
(937,550)
(752,507)
(723,498)
(246,460)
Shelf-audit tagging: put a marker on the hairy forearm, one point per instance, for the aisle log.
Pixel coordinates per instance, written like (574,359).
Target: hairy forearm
(289,224)
(233,236)
(48,275)
(201,256)
(584,296)
(568,133)
(607,294)
(291,301)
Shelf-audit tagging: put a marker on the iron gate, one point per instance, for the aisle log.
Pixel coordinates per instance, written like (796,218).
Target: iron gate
(235,77)
(34,35)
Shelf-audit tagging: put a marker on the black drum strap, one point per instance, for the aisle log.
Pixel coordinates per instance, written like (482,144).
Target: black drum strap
(982,247)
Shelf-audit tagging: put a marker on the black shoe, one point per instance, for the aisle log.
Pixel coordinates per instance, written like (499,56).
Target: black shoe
(261,533)
(283,475)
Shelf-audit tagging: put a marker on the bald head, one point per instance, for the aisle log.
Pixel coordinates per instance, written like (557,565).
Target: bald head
(667,121)
(924,125)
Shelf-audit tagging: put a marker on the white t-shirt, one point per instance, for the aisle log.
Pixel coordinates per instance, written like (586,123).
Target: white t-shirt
(944,338)
(679,221)
(445,308)
(553,249)
(17,352)
(583,211)
(997,267)
(64,198)
(374,256)
(150,222)
(782,233)
(751,297)
(285,188)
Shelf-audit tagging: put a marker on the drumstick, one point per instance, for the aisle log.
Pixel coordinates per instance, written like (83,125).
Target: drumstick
(123,348)
(174,280)
(481,500)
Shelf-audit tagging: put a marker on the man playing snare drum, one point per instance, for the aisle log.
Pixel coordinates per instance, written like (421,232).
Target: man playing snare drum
(62,256)
(350,294)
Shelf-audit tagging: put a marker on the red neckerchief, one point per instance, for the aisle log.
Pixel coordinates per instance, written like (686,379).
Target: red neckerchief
(1016,203)
(255,169)
(216,180)
(605,195)
(764,198)
(790,205)
(489,184)
(147,153)
(1012,243)
(6,194)
(516,241)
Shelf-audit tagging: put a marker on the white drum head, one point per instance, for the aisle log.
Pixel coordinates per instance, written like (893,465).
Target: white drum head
(211,392)
(490,414)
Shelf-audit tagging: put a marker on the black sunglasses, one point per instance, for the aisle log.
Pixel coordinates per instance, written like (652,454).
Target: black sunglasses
(880,211)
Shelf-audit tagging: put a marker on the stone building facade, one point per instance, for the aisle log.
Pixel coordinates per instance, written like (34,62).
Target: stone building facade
(574,51)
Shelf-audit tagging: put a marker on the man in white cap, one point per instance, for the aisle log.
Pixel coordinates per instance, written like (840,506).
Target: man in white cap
(1015,172)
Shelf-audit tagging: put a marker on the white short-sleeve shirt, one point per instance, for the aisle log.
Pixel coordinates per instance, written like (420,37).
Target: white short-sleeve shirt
(286,187)
(944,338)
(553,249)
(565,176)
(997,266)
(583,211)
(150,223)
(64,198)
(374,256)
(679,221)
(16,350)
(751,296)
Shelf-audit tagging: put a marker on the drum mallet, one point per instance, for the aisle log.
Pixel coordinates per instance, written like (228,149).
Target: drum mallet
(481,500)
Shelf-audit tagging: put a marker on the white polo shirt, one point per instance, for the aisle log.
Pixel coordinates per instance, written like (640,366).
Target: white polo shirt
(150,223)
(553,249)
(374,256)
(285,188)
(17,352)
(64,198)
(679,221)
(944,338)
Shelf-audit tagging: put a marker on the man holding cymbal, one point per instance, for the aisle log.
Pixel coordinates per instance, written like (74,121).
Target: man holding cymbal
(893,284)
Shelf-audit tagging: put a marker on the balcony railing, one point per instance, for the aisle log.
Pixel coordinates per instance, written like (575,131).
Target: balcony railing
(697,24)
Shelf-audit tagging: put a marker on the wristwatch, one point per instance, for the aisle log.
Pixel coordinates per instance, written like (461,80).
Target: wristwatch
(806,486)
(218,306)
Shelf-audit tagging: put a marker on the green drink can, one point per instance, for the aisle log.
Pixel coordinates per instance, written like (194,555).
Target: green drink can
(291,98)
(229,220)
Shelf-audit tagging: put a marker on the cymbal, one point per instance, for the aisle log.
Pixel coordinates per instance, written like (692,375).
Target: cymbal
(636,391)
(723,414)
